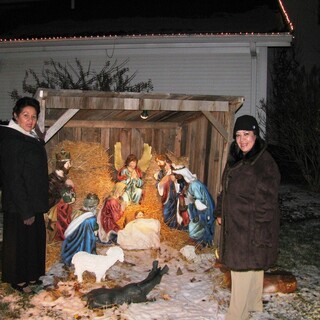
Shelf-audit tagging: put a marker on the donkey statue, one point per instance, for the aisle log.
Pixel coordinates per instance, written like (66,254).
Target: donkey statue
(131,293)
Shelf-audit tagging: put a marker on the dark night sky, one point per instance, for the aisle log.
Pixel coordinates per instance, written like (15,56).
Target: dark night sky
(14,14)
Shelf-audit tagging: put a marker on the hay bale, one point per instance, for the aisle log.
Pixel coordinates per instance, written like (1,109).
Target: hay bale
(91,169)
(53,253)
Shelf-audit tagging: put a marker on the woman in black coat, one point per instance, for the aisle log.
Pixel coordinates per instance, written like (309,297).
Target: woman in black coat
(249,215)
(24,183)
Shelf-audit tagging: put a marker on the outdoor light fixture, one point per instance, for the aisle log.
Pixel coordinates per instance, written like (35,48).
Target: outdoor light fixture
(144,114)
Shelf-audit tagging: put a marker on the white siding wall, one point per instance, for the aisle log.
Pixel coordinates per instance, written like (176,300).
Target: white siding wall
(189,70)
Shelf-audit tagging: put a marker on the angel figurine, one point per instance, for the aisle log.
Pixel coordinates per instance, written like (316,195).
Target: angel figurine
(131,173)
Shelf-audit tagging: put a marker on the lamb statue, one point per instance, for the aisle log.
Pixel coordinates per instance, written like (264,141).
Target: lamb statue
(97,264)
(131,293)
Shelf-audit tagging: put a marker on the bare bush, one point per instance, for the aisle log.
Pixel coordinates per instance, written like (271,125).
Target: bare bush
(112,77)
(293,115)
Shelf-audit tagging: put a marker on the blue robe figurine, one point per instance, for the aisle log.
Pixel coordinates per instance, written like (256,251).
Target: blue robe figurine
(200,208)
(80,236)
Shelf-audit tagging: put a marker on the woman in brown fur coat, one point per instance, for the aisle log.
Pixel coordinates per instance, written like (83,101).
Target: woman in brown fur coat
(249,216)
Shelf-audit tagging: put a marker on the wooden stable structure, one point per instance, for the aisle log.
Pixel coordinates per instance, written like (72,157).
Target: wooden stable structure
(198,127)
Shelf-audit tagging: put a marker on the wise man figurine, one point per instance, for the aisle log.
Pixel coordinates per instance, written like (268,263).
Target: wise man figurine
(81,232)
(58,179)
(58,183)
(60,215)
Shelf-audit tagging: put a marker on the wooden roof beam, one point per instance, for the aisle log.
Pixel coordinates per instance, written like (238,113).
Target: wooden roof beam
(221,129)
(60,123)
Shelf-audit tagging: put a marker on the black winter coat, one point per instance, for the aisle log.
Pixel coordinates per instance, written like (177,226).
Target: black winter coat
(248,206)
(24,173)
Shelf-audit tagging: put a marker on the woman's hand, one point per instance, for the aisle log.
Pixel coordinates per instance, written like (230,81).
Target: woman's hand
(29,221)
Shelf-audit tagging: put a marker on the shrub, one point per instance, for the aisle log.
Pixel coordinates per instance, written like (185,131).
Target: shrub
(54,75)
(293,115)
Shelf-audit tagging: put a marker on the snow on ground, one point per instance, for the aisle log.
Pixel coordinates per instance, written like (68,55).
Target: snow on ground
(195,289)
(186,292)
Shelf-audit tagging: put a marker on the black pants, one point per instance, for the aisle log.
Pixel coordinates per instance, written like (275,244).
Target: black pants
(24,249)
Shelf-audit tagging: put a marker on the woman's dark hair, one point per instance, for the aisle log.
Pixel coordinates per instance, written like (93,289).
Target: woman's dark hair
(26,102)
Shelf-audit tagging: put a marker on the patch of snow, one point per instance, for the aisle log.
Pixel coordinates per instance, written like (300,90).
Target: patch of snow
(194,289)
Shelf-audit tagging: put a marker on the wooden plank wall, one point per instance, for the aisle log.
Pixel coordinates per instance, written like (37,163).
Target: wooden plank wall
(198,140)
(204,146)
(162,140)
(215,163)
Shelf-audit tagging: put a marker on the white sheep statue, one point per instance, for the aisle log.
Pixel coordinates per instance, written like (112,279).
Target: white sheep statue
(97,264)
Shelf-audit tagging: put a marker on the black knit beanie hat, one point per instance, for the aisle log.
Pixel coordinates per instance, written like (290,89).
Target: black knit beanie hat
(248,123)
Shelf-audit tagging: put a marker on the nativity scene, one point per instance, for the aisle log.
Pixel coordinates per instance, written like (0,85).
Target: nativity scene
(144,200)
(126,204)
(109,206)
(101,245)
(114,212)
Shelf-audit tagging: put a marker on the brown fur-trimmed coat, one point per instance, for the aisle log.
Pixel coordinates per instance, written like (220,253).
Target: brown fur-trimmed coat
(248,206)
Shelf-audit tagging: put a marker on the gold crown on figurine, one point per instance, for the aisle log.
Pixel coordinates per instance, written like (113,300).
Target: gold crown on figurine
(63,156)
